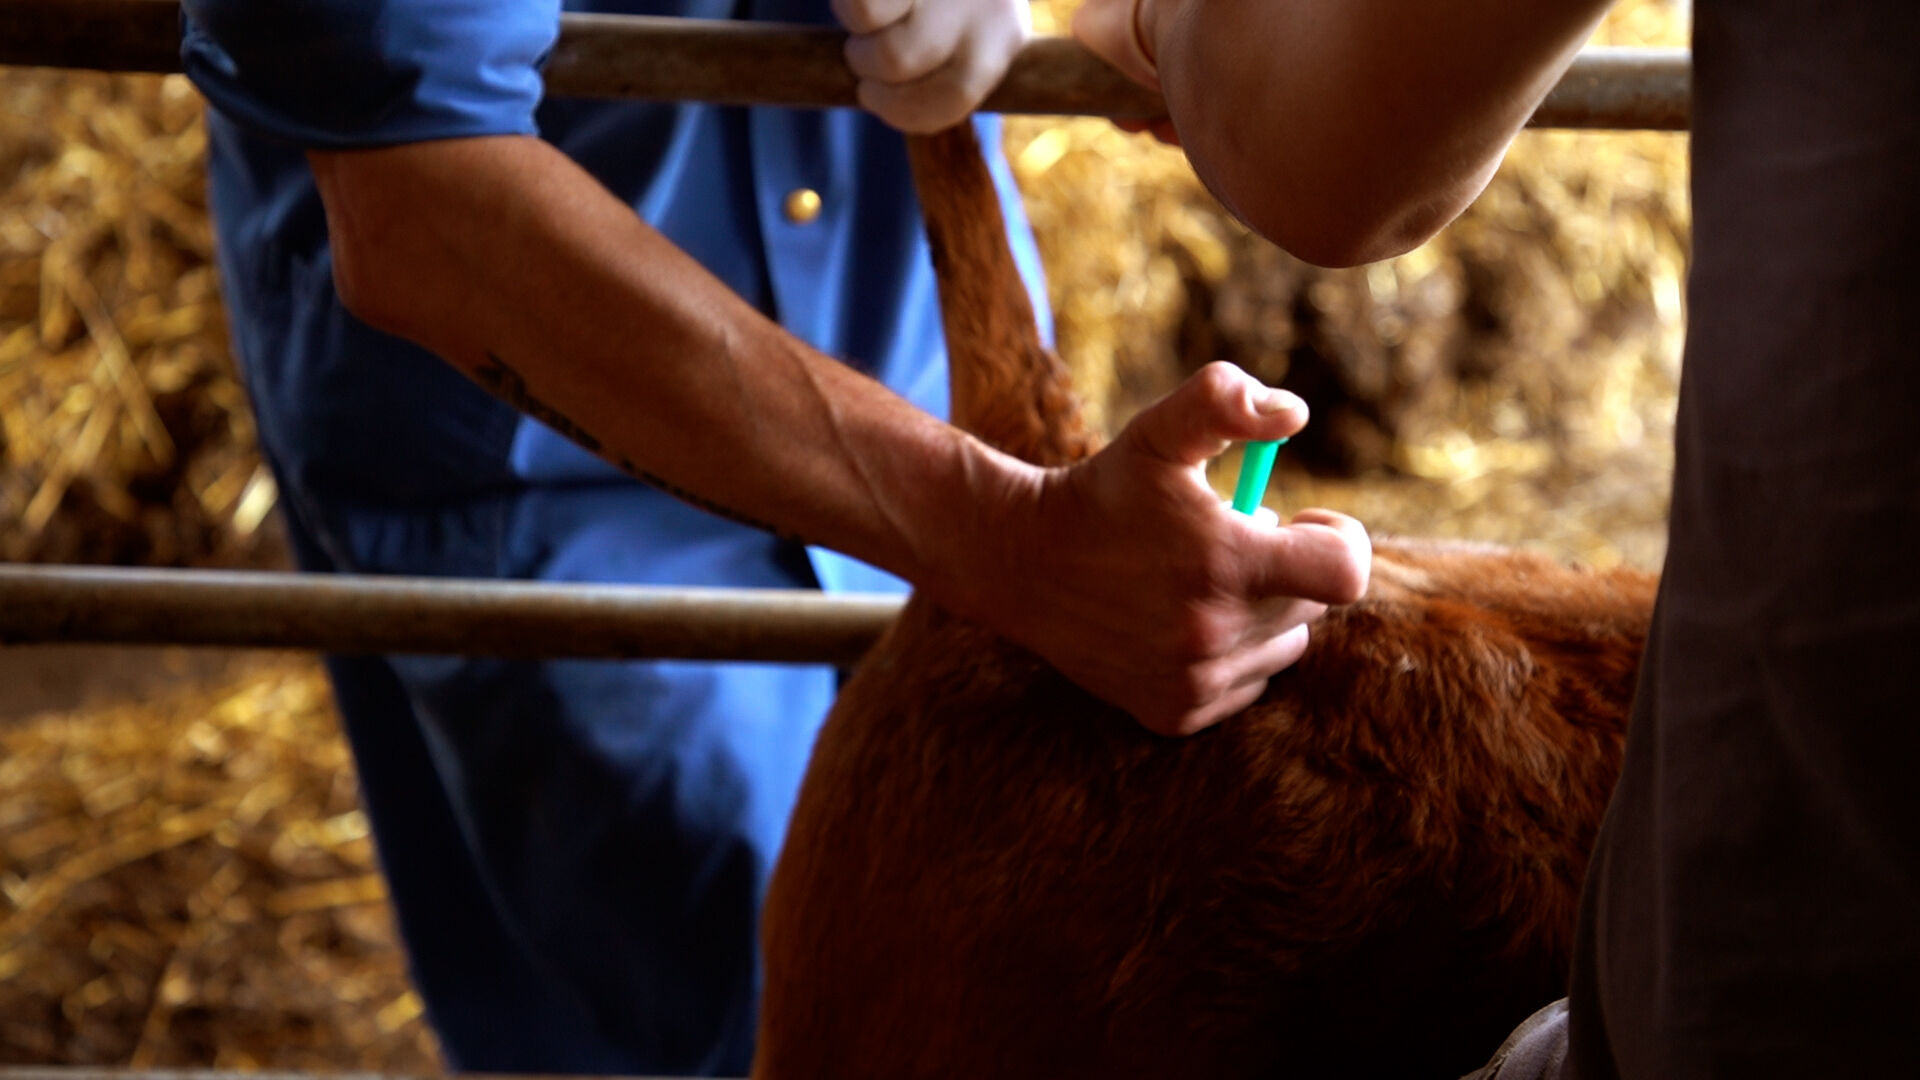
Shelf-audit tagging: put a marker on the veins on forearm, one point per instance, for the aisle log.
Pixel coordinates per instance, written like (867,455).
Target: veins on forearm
(509,386)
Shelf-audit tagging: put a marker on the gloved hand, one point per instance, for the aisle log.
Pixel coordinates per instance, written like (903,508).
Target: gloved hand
(924,65)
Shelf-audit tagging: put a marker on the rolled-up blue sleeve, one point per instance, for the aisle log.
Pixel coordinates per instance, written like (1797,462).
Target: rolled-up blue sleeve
(344,74)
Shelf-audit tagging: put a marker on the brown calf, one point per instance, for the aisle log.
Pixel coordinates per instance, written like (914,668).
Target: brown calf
(1373,871)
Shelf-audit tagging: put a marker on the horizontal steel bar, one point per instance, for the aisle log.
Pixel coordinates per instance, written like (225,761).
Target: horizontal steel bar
(1622,89)
(346,614)
(745,63)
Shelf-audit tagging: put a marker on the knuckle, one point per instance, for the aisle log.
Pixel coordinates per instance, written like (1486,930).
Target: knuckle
(874,98)
(1014,16)
(1200,685)
(1220,381)
(977,73)
(1169,724)
(1194,698)
(1352,531)
(1353,573)
(1217,573)
(868,16)
(852,14)
(905,110)
(1353,586)
(1190,724)
(929,113)
(1159,719)
(1347,551)
(899,58)
(929,122)
(1200,638)
(1299,639)
(1306,613)
(1178,725)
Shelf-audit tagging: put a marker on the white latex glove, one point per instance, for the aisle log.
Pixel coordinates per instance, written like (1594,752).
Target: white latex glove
(924,65)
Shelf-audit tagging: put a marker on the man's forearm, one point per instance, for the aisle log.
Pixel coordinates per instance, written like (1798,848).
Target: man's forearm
(1351,130)
(509,261)
(1124,571)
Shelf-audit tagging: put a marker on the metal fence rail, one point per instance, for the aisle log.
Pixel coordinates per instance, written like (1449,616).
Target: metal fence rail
(347,614)
(603,56)
(736,63)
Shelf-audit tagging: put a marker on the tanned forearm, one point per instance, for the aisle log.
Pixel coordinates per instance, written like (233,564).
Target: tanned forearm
(1124,571)
(506,259)
(1352,130)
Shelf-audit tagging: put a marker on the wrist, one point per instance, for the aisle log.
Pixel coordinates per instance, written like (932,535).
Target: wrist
(974,541)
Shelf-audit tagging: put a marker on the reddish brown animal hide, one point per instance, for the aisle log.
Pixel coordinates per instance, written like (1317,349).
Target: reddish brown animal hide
(1007,387)
(1373,871)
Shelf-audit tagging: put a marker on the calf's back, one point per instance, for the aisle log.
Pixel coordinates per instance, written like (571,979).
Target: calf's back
(1371,872)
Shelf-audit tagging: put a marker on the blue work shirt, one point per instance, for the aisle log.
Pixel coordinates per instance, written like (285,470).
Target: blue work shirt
(352,414)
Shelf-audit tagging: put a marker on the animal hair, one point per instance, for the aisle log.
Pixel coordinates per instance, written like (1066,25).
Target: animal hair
(1372,871)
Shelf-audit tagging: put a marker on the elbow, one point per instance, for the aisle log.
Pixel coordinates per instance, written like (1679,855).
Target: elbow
(354,279)
(1326,215)
(358,275)
(348,233)
(1339,187)
(367,243)
(365,284)
(1342,235)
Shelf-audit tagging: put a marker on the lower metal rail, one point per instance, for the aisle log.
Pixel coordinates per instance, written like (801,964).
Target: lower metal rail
(347,614)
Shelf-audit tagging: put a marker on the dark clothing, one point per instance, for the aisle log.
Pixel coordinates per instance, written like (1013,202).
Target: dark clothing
(1750,909)
(576,849)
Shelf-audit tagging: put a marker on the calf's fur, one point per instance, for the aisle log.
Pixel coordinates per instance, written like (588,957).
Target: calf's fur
(1371,872)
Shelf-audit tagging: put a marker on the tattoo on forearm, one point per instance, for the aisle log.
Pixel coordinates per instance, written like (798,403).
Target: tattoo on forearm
(704,503)
(508,385)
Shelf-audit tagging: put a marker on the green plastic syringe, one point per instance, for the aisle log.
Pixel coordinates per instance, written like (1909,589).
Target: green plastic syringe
(1256,468)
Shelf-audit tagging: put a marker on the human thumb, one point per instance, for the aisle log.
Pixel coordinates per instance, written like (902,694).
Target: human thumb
(1217,406)
(1110,28)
